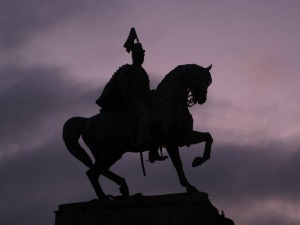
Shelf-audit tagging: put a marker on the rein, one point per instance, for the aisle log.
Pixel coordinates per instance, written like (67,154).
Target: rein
(190,101)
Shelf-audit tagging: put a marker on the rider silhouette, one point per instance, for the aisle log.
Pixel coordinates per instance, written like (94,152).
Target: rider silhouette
(134,85)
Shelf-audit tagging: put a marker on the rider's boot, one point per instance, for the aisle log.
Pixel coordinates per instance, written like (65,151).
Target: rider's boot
(154,156)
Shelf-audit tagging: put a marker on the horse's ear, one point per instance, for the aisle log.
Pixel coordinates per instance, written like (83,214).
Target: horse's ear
(208,68)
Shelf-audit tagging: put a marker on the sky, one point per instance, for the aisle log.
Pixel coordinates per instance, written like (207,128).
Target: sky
(56,56)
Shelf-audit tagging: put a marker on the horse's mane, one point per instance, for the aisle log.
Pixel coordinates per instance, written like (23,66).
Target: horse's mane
(181,70)
(184,69)
(187,68)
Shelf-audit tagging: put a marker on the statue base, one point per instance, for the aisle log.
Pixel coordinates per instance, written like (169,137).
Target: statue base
(175,209)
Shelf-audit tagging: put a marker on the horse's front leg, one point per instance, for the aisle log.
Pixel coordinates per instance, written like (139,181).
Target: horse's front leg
(200,137)
(173,152)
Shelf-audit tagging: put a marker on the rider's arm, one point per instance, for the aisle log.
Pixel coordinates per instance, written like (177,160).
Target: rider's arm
(122,81)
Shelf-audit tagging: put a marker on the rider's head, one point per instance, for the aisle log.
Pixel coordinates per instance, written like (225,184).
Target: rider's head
(133,45)
(138,54)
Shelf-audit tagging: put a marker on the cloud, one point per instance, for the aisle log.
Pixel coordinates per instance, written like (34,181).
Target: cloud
(36,101)
(233,121)
(36,182)
(252,180)
(33,97)
(20,21)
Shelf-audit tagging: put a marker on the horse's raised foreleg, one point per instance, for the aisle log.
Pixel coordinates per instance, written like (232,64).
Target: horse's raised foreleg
(198,137)
(173,152)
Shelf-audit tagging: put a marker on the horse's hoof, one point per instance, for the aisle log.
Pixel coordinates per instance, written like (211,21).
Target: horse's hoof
(154,156)
(198,161)
(124,191)
(104,198)
(158,158)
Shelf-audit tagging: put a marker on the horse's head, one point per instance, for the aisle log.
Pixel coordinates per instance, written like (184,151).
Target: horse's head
(198,85)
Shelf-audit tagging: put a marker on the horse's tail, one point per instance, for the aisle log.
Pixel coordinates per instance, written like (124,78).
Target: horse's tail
(71,133)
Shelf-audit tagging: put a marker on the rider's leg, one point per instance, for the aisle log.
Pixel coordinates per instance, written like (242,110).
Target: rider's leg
(142,139)
(154,155)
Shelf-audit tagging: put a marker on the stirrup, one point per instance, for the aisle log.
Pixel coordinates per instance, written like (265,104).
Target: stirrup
(156,157)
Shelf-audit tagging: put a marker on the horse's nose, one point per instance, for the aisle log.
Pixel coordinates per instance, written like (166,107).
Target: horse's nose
(202,100)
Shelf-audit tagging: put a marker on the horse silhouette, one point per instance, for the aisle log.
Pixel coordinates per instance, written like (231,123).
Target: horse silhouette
(109,134)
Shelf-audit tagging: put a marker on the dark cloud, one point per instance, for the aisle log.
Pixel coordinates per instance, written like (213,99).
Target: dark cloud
(271,219)
(252,176)
(20,21)
(255,169)
(34,184)
(35,103)
(32,97)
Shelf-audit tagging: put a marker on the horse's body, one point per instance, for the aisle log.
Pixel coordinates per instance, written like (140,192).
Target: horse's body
(109,134)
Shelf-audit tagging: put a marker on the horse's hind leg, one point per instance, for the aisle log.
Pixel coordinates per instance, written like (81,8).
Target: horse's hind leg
(118,180)
(111,157)
(93,175)
(105,158)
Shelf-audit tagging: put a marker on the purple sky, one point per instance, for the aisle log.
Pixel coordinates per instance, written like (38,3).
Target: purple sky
(56,56)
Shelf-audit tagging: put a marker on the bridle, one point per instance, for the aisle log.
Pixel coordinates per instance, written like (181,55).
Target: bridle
(189,95)
(190,101)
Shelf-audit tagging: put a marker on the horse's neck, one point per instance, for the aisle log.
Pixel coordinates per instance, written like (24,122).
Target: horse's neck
(172,88)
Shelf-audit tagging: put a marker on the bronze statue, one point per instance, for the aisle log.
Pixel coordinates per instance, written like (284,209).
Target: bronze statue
(117,128)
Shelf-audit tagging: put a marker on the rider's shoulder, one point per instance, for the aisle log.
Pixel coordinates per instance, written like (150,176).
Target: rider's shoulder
(125,66)
(123,69)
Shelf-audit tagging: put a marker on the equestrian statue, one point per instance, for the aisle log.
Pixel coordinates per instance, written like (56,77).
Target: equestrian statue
(134,118)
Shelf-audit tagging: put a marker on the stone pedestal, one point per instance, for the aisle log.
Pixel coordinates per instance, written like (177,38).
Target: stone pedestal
(175,209)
